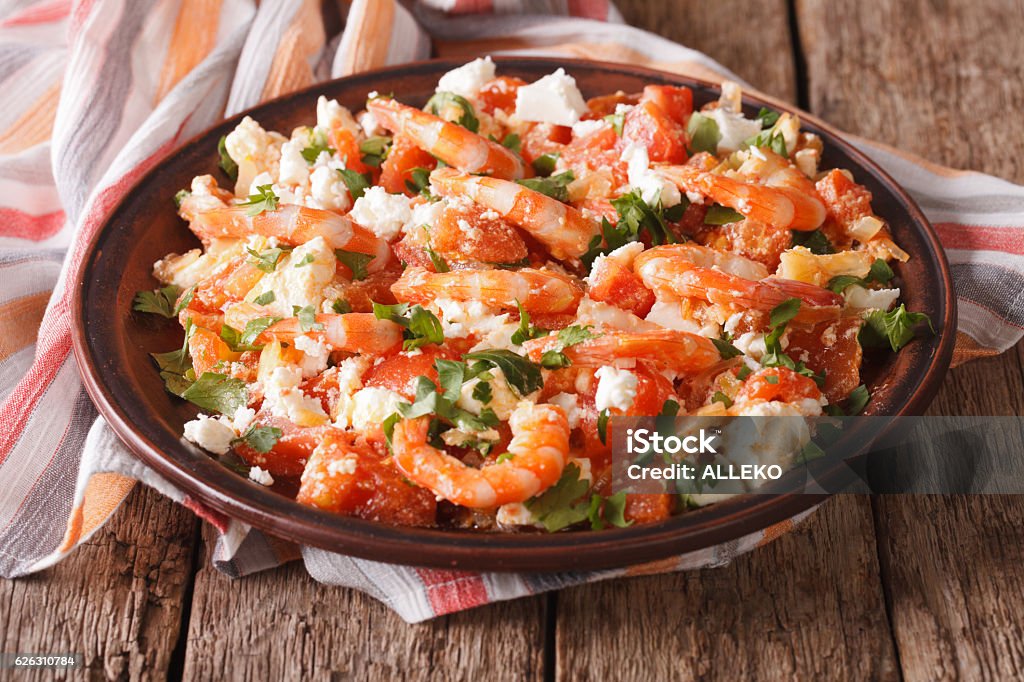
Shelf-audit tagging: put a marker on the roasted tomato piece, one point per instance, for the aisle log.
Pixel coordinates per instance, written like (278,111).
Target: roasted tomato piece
(403,158)
(648,508)
(472,233)
(845,200)
(777,383)
(675,101)
(648,125)
(345,143)
(399,372)
(347,477)
(499,93)
(288,456)
(614,283)
(749,238)
(604,105)
(361,294)
(207,349)
(831,347)
(544,138)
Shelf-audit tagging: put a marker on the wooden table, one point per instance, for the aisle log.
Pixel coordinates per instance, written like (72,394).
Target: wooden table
(915,587)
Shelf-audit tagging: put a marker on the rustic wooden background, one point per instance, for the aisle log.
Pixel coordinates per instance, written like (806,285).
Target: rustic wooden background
(922,588)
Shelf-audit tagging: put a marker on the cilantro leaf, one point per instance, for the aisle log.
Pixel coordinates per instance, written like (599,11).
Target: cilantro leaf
(306,260)
(260,438)
(767,117)
(894,328)
(525,331)
(521,374)
(637,215)
(726,349)
(265,260)
(266,298)
(554,359)
(424,327)
(617,121)
(341,306)
(176,365)
(356,182)
(720,397)
(784,312)
(880,272)
(245,340)
(354,261)
(450,375)
(554,186)
(317,145)
(444,100)
(374,150)
(721,215)
(483,393)
(226,163)
(558,507)
(307,319)
(602,425)
(815,241)
(263,200)
(704,133)
(857,400)
(160,302)
(773,141)
(217,393)
(512,142)
(419,182)
(545,163)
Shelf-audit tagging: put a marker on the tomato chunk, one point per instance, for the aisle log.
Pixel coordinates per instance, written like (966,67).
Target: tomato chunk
(499,93)
(288,456)
(831,347)
(544,138)
(845,200)
(664,138)
(648,508)
(675,101)
(778,383)
(207,349)
(616,284)
(399,372)
(403,158)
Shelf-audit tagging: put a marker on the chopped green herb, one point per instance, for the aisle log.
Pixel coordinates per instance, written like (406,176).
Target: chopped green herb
(482,392)
(180,197)
(554,186)
(670,408)
(356,182)
(558,507)
(773,141)
(424,327)
(743,373)
(419,182)
(816,242)
(307,319)
(772,378)
(265,260)
(545,163)
(526,331)
(602,425)
(721,215)
(246,339)
(553,359)
(617,121)
(726,349)
(880,272)
(512,142)
(317,145)
(341,306)
(767,117)
(164,302)
(217,393)
(443,100)
(521,374)
(857,400)
(176,365)
(263,200)
(354,261)
(720,397)
(704,133)
(374,150)
(306,260)
(266,298)
(226,163)
(260,438)
(895,329)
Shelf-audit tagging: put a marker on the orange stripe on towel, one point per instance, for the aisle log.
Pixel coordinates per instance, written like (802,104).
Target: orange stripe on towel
(103,494)
(34,126)
(368,35)
(20,320)
(967,348)
(300,44)
(195,33)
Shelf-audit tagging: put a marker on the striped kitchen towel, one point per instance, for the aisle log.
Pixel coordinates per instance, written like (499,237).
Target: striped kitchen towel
(106,88)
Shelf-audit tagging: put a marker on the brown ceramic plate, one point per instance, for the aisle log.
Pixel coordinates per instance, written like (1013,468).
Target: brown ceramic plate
(112,346)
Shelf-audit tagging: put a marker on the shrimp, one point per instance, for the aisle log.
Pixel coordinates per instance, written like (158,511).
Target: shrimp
(677,350)
(539,450)
(563,229)
(352,332)
(680,271)
(450,142)
(777,193)
(292,225)
(538,291)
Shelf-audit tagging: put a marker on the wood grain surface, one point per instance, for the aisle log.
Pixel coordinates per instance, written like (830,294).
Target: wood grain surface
(889,588)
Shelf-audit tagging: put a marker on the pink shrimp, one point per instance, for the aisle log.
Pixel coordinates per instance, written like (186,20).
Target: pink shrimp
(294,225)
(453,144)
(563,229)
(690,271)
(352,332)
(776,193)
(677,350)
(538,291)
(539,449)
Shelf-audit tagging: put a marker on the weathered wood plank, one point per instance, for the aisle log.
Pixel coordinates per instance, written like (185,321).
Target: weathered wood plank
(118,599)
(940,80)
(282,625)
(809,605)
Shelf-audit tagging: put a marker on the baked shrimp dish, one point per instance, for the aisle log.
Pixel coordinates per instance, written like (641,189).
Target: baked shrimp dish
(428,316)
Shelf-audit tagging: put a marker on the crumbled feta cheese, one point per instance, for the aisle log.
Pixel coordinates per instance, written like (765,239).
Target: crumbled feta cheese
(584,128)
(382,213)
(615,388)
(281,393)
(570,404)
(606,316)
(552,99)
(298,285)
(468,79)
(327,190)
(242,419)
(735,129)
(261,476)
(210,434)
(514,514)
(427,213)
(653,188)
(503,398)
(460,319)
(330,115)
(668,314)
(254,150)
(315,355)
(186,270)
(881,299)
(371,406)
(293,170)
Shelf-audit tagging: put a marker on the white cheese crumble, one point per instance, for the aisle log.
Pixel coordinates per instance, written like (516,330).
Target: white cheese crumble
(382,213)
(734,128)
(261,476)
(570,404)
(315,355)
(297,280)
(327,190)
(427,213)
(460,319)
(584,128)
(210,434)
(514,514)
(615,388)
(468,79)
(293,170)
(653,188)
(371,406)
(503,398)
(330,114)
(552,99)
(284,398)
(880,299)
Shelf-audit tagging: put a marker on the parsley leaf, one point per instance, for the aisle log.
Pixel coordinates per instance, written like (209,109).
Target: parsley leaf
(482,392)
(263,200)
(512,142)
(444,100)
(162,301)
(245,340)
(180,197)
(265,260)
(521,374)
(424,327)
(815,241)
(341,306)
(704,133)
(266,298)
(554,186)
(374,150)
(525,331)
(545,163)
(721,215)
(880,272)
(356,182)
(857,400)
(317,145)
(306,260)
(217,393)
(556,508)
(419,182)
(176,365)
(773,141)
(894,328)
(260,438)
(554,358)
(720,397)
(617,121)
(602,425)
(637,215)
(226,163)
(784,312)
(767,117)
(354,261)
(307,319)
(726,349)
